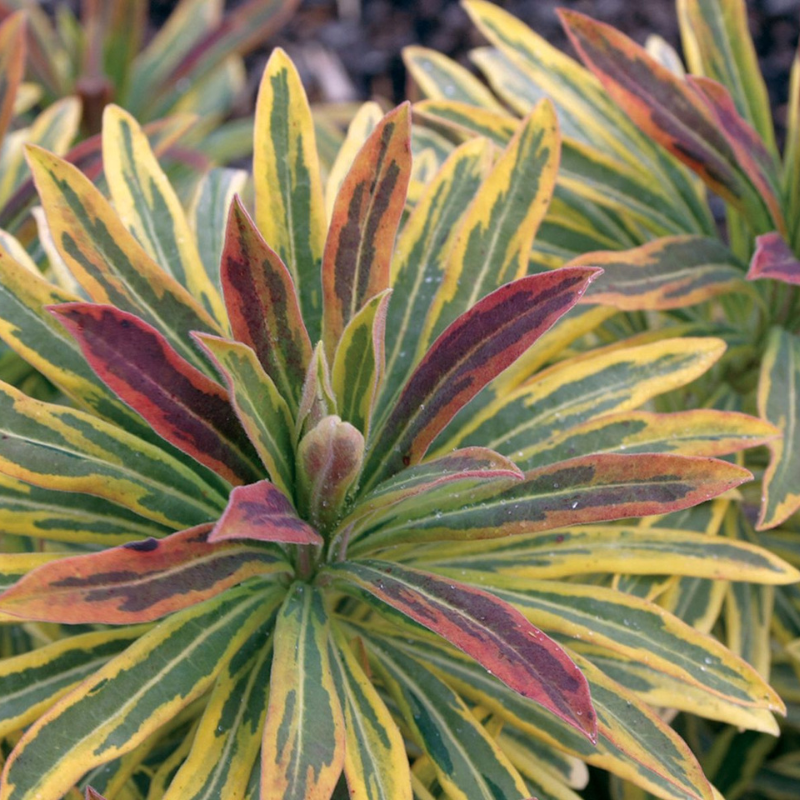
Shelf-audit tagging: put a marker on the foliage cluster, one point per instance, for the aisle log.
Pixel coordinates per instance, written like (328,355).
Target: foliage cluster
(325,501)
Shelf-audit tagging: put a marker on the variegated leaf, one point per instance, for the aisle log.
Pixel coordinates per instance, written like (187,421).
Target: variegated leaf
(150,209)
(773,258)
(261,409)
(262,305)
(161,673)
(494,242)
(358,250)
(375,760)
(290,209)
(302,754)
(138,581)
(12,65)
(491,632)
(106,259)
(779,403)
(469,354)
(262,512)
(184,406)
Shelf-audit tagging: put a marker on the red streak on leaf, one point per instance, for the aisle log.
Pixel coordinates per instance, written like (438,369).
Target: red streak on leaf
(774,258)
(261,511)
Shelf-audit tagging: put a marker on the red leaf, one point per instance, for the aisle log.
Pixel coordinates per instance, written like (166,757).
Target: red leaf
(137,582)
(774,258)
(261,511)
(184,406)
(472,351)
(262,304)
(489,630)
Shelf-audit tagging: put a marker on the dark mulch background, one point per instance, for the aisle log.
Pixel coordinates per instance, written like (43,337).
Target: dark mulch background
(350,49)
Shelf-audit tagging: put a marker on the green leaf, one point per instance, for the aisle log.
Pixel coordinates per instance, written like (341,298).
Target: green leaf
(304,739)
(134,693)
(779,403)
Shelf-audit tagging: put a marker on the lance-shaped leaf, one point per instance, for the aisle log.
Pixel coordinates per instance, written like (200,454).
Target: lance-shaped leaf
(135,693)
(703,432)
(421,254)
(302,754)
(32,682)
(606,548)
(262,305)
(318,399)
(261,511)
(329,459)
(56,447)
(106,259)
(226,744)
(774,259)
(138,581)
(588,489)
(671,272)
(493,245)
(148,205)
(290,210)
(375,761)
(476,348)
(468,762)
(494,634)
(184,406)
(666,109)
(357,371)
(12,65)
(358,250)
(261,409)
(779,403)
(717,44)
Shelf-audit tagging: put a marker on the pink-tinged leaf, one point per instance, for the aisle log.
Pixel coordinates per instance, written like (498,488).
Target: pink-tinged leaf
(358,250)
(329,459)
(12,65)
(91,794)
(139,581)
(667,109)
(774,259)
(751,152)
(261,511)
(184,406)
(489,630)
(472,351)
(262,305)
(317,400)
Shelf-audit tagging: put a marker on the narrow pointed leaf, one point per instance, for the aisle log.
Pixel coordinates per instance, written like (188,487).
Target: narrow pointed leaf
(421,254)
(671,272)
(365,217)
(469,354)
(261,409)
(357,370)
(375,761)
(138,581)
(666,109)
(261,511)
(153,679)
(774,259)
(494,244)
(491,632)
(32,682)
(184,406)
(588,489)
(262,305)
(779,403)
(290,210)
(317,400)
(468,762)
(303,751)
(59,448)
(12,66)
(107,260)
(228,738)
(147,204)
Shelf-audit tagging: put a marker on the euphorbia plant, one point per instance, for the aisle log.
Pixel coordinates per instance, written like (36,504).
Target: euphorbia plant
(313,564)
